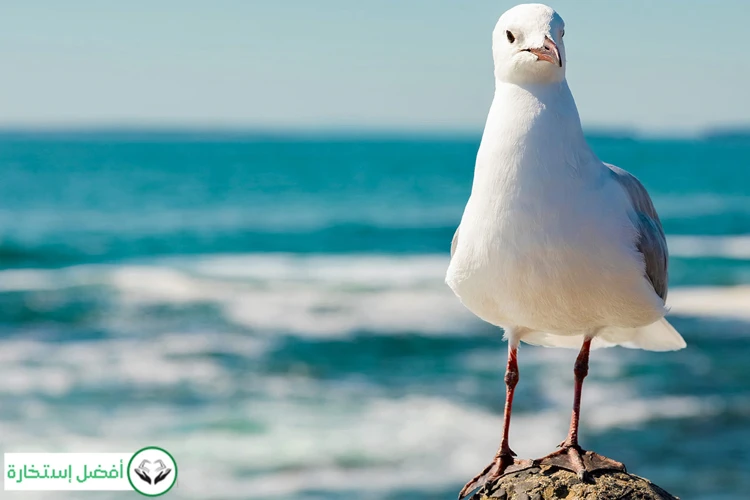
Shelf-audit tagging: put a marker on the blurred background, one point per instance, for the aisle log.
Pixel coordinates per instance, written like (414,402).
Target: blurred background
(224,228)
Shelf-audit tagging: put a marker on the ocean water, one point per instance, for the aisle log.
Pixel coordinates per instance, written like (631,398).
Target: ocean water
(272,311)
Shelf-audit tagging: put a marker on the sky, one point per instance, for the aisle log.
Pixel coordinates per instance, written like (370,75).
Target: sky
(654,66)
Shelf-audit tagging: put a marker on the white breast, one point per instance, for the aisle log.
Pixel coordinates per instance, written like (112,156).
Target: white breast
(546,240)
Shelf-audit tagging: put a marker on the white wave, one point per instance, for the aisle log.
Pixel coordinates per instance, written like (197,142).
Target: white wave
(370,271)
(314,295)
(151,283)
(330,444)
(304,434)
(19,280)
(316,311)
(308,295)
(305,295)
(728,247)
(414,442)
(634,413)
(338,313)
(163,361)
(609,402)
(714,302)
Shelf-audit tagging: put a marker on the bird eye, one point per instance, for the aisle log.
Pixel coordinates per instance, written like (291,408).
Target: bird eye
(510,36)
(562,34)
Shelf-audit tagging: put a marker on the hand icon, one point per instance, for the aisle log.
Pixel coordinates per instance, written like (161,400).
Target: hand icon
(143,472)
(163,471)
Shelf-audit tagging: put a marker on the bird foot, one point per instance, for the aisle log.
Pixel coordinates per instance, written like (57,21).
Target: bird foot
(504,463)
(582,462)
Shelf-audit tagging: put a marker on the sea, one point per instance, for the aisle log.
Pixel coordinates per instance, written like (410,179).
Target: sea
(271,309)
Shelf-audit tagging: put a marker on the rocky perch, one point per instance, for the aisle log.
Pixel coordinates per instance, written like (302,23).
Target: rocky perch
(549,482)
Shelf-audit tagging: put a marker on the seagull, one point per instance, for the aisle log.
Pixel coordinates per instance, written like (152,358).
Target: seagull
(554,246)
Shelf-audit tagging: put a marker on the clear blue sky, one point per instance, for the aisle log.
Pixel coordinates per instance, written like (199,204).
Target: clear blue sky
(658,66)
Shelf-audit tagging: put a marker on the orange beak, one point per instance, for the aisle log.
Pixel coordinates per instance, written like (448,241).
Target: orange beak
(548,52)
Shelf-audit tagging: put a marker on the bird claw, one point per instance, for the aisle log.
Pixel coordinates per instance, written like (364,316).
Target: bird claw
(478,481)
(500,466)
(582,462)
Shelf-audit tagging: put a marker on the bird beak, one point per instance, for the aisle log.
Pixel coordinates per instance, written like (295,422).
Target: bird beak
(548,52)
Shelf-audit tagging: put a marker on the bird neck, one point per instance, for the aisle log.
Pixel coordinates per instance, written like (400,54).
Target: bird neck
(532,132)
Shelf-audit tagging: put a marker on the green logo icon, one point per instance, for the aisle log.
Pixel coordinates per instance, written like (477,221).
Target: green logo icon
(152,471)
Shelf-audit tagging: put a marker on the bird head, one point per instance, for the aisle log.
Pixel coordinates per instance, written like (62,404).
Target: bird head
(527,45)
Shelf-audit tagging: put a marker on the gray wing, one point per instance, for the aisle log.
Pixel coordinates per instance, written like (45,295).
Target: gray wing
(651,241)
(455,241)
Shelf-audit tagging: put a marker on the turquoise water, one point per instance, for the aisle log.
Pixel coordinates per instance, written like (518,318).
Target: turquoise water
(272,311)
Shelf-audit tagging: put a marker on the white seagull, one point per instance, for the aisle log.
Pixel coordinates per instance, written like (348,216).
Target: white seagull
(554,246)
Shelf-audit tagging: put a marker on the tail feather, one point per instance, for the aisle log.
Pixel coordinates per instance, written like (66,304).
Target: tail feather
(658,336)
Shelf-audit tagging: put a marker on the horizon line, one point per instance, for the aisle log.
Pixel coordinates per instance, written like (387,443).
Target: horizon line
(342,131)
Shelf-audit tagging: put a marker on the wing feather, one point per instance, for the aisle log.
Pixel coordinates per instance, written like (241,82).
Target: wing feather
(651,242)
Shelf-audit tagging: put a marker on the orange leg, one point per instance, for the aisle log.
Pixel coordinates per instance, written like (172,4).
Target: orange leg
(504,456)
(571,456)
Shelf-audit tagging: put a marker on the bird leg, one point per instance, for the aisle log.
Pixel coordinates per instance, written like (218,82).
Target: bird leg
(571,456)
(580,370)
(504,460)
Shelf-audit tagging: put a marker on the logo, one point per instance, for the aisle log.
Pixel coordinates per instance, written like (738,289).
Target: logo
(152,471)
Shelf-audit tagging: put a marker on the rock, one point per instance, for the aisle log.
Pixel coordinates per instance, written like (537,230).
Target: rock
(552,483)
